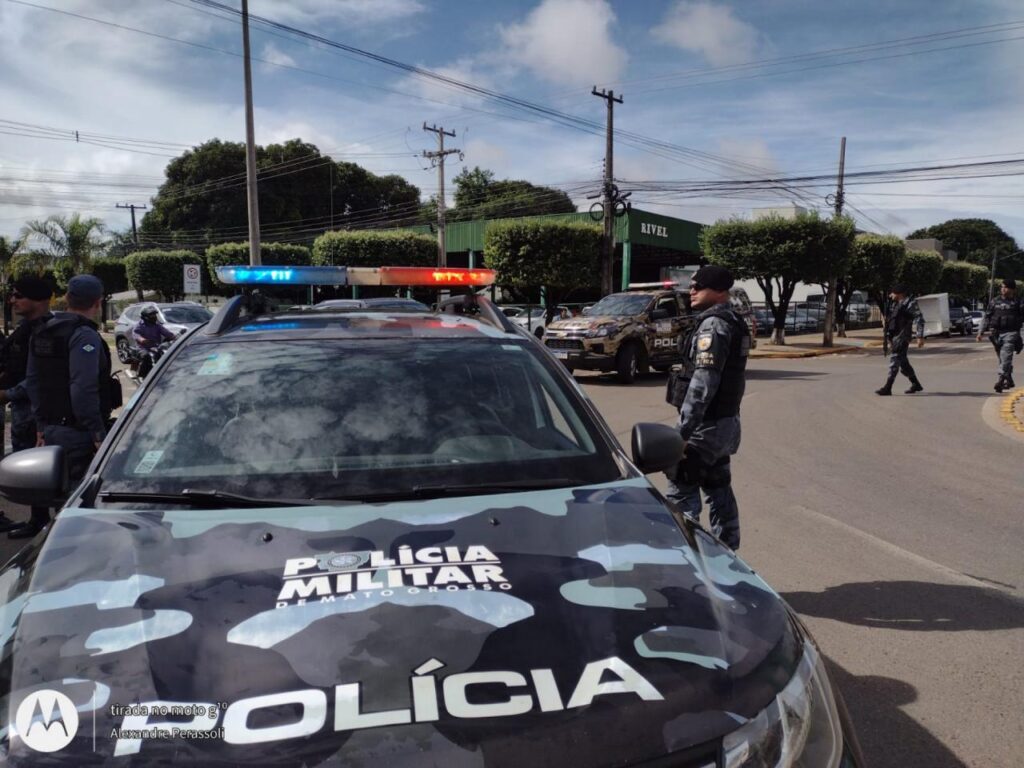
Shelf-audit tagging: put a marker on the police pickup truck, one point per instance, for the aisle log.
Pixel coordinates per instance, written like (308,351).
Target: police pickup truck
(626,333)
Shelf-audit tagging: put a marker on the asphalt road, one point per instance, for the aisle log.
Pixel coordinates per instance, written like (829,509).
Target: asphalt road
(895,527)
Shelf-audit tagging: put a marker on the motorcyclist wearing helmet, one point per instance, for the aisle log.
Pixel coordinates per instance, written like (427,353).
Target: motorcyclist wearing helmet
(149,332)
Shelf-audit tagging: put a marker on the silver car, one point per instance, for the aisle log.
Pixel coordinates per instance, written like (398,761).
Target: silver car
(177,317)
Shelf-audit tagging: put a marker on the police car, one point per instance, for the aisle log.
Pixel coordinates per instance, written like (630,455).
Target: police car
(351,537)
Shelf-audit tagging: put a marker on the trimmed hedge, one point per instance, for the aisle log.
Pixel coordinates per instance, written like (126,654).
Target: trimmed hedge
(160,271)
(112,273)
(963,280)
(920,270)
(272,254)
(549,253)
(375,249)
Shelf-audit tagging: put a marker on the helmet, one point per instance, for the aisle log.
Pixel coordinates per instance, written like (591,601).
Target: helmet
(149,314)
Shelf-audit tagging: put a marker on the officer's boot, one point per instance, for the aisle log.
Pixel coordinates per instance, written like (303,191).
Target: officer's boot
(887,388)
(1009,381)
(1000,385)
(915,386)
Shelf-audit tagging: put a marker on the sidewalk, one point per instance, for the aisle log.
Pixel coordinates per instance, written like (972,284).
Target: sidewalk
(809,344)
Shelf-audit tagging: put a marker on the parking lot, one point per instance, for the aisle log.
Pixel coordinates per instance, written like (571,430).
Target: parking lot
(893,526)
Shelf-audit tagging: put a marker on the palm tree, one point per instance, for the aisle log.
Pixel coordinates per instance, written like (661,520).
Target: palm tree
(9,248)
(73,240)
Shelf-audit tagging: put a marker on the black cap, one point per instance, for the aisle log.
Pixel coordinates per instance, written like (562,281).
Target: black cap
(900,288)
(712,276)
(34,288)
(1010,283)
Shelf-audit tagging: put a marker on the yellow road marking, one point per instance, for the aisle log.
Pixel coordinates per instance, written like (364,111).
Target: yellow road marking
(1008,409)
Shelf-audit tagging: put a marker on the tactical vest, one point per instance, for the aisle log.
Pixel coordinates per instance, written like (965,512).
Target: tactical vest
(14,353)
(51,349)
(1007,315)
(726,401)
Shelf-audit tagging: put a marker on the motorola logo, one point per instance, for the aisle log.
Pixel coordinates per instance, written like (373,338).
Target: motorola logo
(46,721)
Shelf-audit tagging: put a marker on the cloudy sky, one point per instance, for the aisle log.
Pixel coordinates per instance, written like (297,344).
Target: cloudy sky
(752,88)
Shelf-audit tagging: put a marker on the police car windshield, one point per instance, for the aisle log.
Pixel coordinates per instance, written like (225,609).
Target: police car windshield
(621,304)
(345,418)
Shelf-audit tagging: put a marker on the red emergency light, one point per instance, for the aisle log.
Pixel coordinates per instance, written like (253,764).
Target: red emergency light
(435,276)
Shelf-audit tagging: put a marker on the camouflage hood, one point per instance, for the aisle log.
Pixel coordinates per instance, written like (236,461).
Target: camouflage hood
(590,321)
(536,628)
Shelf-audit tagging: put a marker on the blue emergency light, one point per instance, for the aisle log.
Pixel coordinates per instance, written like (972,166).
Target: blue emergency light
(283,275)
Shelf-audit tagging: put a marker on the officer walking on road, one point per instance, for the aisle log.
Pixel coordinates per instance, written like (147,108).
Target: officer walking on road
(901,322)
(709,412)
(69,378)
(1004,318)
(30,299)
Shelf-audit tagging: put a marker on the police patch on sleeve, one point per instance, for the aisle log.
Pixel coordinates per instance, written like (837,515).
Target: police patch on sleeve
(88,348)
(704,342)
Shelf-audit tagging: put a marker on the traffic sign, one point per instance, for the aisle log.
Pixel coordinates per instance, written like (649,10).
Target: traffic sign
(192,282)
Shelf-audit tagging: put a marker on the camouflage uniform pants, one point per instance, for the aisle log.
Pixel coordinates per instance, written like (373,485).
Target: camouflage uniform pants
(706,468)
(898,362)
(1005,344)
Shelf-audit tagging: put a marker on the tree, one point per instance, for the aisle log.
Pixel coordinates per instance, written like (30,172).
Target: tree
(70,243)
(300,190)
(160,271)
(974,241)
(919,271)
(558,255)
(779,253)
(479,196)
(112,273)
(963,281)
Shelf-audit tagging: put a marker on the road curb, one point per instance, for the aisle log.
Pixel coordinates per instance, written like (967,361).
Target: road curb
(1008,409)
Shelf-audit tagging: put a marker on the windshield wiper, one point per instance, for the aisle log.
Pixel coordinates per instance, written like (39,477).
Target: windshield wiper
(436,491)
(198,498)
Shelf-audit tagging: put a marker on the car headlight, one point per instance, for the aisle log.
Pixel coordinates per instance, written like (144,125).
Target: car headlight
(800,729)
(595,333)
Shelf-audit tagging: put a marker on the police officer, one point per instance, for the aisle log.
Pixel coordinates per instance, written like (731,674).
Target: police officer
(1004,318)
(30,300)
(903,320)
(68,378)
(709,412)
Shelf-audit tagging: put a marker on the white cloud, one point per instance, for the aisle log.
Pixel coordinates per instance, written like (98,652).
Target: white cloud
(711,30)
(351,12)
(567,42)
(274,55)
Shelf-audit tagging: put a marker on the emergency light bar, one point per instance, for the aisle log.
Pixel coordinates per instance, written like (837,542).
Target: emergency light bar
(412,276)
(660,284)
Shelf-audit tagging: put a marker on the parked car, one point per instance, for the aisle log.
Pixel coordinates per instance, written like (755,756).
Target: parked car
(178,317)
(977,317)
(534,319)
(960,321)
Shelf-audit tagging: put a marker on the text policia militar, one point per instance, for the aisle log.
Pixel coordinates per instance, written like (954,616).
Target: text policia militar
(352,575)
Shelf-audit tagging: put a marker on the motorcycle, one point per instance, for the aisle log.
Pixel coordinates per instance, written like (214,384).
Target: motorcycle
(143,360)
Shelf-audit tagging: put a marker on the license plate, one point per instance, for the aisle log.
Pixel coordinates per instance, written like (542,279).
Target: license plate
(560,354)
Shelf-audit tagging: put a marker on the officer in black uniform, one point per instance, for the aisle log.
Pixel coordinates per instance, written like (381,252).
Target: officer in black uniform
(69,380)
(30,299)
(1004,318)
(903,320)
(713,378)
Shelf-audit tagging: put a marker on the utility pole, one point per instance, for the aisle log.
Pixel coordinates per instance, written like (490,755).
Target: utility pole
(250,147)
(437,158)
(833,279)
(608,256)
(132,207)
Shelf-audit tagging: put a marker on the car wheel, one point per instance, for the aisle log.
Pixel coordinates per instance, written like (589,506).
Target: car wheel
(123,349)
(628,363)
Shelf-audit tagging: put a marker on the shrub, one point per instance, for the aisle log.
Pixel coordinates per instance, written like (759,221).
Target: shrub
(375,249)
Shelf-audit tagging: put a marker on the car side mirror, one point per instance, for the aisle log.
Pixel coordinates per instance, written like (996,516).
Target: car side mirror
(37,477)
(656,447)
(659,314)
